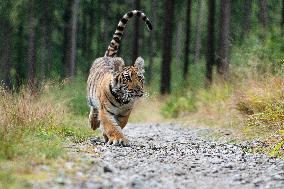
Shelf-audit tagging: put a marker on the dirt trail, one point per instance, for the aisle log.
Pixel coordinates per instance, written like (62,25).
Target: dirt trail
(166,156)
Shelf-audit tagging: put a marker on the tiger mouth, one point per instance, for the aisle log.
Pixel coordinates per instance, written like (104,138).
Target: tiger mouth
(139,95)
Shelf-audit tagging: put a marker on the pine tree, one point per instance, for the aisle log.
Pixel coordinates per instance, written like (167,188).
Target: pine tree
(210,54)
(223,53)
(167,47)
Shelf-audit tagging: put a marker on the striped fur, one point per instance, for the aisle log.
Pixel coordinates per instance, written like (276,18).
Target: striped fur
(114,44)
(112,87)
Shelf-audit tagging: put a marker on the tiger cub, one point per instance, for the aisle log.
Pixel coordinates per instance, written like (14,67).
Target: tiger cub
(112,87)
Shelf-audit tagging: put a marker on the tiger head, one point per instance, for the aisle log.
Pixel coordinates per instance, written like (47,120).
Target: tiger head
(128,81)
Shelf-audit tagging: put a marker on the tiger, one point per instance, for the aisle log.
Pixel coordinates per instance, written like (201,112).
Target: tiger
(113,87)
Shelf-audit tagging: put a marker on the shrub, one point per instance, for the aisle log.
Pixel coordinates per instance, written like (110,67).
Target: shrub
(174,106)
(22,115)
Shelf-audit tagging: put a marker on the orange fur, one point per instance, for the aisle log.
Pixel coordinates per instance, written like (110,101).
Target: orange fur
(106,110)
(113,88)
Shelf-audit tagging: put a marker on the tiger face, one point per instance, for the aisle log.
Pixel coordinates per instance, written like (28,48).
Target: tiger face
(128,81)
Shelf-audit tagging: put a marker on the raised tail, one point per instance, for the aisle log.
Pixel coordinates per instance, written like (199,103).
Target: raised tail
(114,44)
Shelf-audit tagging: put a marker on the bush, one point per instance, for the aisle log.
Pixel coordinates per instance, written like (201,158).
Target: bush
(35,124)
(174,106)
(262,104)
(22,115)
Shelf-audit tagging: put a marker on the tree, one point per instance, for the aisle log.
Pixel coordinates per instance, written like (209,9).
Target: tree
(152,44)
(167,46)
(31,45)
(84,25)
(247,16)
(187,39)
(210,54)
(223,53)
(70,32)
(263,12)
(21,69)
(101,36)
(282,21)
(106,38)
(198,32)
(88,25)
(5,52)
(91,29)
(45,37)
(136,33)
(178,39)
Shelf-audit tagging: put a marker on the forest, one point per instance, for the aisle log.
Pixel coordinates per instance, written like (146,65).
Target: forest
(212,63)
(56,40)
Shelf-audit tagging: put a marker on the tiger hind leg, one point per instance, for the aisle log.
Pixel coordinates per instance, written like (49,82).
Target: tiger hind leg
(93,118)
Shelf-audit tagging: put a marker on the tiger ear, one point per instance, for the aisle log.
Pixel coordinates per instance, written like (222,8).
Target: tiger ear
(117,64)
(139,63)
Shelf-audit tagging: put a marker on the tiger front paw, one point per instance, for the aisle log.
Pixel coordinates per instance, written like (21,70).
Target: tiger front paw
(116,139)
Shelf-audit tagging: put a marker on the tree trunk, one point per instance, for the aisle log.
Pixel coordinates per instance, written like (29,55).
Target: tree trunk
(178,41)
(5,53)
(100,34)
(263,13)
(223,54)
(247,16)
(106,37)
(136,33)
(282,21)
(187,39)
(152,44)
(43,53)
(167,47)
(84,32)
(31,47)
(45,44)
(91,29)
(210,55)
(21,69)
(198,32)
(71,19)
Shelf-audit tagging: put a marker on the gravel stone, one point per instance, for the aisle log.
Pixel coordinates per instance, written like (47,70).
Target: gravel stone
(168,156)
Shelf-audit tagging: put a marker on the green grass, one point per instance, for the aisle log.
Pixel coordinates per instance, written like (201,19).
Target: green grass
(35,126)
(251,102)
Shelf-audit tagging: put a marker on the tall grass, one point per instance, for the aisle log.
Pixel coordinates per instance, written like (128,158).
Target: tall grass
(23,117)
(34,127)
(251,101)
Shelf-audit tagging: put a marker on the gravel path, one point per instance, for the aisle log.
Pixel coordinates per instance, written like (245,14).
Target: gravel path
(167,156)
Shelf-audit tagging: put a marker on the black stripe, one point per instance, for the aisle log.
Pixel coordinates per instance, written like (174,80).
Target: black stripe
(110,112)
(149,24)
(114,113)
(90,102)
(120,28)
(110,100)
(91,88)
(116,39)
(114,95)
(121,115)
(130,14)
(144,17)
(124,20)
(119,34)
(138,13)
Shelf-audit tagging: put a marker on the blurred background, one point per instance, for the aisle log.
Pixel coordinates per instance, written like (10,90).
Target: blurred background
(53,40)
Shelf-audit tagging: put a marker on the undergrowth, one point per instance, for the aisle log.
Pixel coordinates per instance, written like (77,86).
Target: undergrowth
(251,101)
(35,125)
